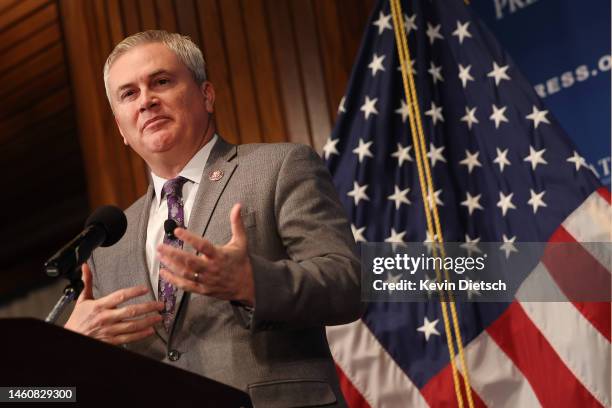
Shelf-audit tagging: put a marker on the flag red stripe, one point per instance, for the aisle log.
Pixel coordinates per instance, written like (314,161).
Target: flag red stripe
(353,397)
(591,271)
(440,391)
(551,380)
(605,193)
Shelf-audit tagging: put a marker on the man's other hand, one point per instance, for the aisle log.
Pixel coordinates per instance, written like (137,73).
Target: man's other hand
(224,272)
(104,319)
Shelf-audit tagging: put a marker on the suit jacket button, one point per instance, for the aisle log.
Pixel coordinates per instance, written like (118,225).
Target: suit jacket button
(173,355)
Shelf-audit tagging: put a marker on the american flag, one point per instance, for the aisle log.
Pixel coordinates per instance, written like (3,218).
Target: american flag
(504,171)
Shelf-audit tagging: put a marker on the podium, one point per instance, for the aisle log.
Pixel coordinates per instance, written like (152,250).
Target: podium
(38,354)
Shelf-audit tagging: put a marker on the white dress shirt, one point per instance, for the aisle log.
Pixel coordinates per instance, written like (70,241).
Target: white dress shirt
(159,208)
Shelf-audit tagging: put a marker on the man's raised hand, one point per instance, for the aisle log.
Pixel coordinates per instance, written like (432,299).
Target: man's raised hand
(106,320)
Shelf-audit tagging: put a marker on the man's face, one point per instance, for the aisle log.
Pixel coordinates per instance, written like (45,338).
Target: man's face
(158,106)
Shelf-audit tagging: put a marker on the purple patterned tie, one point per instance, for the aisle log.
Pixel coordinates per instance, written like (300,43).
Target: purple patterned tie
(173,190)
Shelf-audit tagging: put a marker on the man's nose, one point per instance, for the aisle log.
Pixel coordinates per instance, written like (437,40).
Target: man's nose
(148,101)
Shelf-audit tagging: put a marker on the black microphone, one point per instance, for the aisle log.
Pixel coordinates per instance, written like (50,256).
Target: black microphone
(169,226)
(104,227)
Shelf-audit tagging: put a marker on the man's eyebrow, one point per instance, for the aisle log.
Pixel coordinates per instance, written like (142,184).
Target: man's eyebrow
(151,75)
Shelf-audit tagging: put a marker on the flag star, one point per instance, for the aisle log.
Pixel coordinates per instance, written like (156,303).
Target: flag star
(435,72)
(330,148)
(369,107)
(433,32)
(358,193)
(462,31)
(376,64)
(393,279)
(470,117)
(435,112)
(341,108)
(402,154)
(436,197)
(403,110)
(505,203)
(537,116)
(535,157)
(464,74)
(508,245)
(410,23)
(429,239)
(358,233)
(499,73)
(471,245)
(383,22)
(429,328)
(471,291)
(399,197)
(396,237)
(501,159)
(472,203)
(399,67)
(498,115)
(471,160)
(363,150)
(536,200)
(577,160)
(427,288)
(435,154)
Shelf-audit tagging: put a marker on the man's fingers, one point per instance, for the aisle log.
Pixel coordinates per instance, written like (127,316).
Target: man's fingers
(134,311)
(122,295)
(201,245)
(131,337)
(238,233)
(87,292)
(180,262)
(186,284)
(133,326)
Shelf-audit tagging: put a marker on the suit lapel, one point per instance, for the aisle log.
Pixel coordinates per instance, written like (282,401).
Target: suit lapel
(139,262)
(208,194)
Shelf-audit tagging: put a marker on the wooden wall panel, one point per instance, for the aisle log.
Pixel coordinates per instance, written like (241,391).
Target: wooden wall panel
(239,65)
(311,62)
(264,71)
(289,78)
(45,201)
(216,68)
(186,17)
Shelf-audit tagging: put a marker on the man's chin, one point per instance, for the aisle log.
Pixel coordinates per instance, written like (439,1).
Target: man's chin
(160,143)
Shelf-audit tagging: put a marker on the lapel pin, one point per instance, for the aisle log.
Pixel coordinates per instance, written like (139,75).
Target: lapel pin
(215,175)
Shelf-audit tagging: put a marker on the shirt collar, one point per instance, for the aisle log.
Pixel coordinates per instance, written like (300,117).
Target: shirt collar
(192,171)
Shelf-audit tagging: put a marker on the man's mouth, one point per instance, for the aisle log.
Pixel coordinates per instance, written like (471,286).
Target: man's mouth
(154,120)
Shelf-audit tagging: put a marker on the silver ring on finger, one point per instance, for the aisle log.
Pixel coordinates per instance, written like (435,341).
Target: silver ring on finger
(196,275)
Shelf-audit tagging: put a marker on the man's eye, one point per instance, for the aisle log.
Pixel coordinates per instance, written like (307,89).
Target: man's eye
(126,94)
(163,81)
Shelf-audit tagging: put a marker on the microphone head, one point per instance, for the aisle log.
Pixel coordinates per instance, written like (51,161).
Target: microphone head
(169,226)
(112,220)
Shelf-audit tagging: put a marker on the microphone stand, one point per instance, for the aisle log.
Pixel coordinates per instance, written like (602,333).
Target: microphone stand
(71,292)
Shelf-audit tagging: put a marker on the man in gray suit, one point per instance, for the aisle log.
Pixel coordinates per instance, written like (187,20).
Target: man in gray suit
(266,258)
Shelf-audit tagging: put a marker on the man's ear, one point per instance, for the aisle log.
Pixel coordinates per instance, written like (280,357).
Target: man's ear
(125,142)
(208,92)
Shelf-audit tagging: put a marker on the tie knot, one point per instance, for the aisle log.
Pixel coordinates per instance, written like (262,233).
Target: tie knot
(174,187)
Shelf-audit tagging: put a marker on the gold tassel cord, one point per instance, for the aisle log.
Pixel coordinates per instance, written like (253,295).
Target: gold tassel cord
(427,186)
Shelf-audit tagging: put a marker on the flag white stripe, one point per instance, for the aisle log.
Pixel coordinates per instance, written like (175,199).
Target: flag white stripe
(494,377)
(583,349)
(592,222)
(371,369)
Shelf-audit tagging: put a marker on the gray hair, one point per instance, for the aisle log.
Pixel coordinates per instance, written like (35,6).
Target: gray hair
(185,49)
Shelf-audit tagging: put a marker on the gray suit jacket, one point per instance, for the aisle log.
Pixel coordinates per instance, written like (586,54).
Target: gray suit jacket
(305,268)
